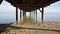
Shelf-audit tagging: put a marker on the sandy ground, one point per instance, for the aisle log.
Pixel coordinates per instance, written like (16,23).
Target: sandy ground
(45,25)
(34,28)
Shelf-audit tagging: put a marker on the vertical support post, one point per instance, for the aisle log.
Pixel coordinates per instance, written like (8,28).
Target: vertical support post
(30,16)
(16,15)
(42,14)
(36,15)
(20,15)
(24,15)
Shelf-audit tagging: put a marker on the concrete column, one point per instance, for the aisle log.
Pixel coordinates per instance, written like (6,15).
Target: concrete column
(36,15)
(24,15)
(20,15)
(42,14)
(30,16)
(16,15)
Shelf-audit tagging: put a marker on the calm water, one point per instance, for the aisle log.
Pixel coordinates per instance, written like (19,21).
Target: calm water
(9,17)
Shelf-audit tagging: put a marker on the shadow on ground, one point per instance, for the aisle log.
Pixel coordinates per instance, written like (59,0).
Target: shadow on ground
(3,28)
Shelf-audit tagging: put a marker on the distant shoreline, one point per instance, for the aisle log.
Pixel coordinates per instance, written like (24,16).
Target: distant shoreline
(38,22)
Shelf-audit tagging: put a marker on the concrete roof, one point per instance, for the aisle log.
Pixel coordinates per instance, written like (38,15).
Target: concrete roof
(30,5)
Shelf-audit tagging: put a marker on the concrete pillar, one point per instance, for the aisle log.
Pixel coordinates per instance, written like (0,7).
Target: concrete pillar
(30,16)
(36,15)
(16,15)
(20,15)
(24,15)
(42,14)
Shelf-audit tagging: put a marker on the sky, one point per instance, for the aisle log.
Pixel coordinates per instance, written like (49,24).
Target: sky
(53,8)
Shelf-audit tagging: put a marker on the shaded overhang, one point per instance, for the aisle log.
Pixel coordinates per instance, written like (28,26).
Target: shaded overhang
(1,1)
(30,5)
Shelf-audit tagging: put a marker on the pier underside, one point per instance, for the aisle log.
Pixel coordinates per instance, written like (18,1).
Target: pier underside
(28,26)
(29,6)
